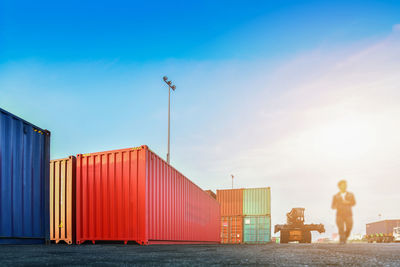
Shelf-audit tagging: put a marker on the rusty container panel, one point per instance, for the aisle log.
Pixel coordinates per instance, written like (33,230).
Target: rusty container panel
(257,201)
(178,211)
(24,181)
(62,199)
(211,193)
(232,229)
(382,227)
(231,201)
(133,195)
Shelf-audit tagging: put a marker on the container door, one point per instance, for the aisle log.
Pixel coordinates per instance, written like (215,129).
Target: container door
(231,230)
(263,229)
(257,229)
(62,180)
(250,230)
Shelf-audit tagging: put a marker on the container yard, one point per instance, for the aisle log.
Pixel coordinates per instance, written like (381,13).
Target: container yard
(245,215)
(24,181)
(97,203)
(180,132)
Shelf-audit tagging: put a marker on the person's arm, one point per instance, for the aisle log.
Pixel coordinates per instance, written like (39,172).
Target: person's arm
(352,200)
(334,205)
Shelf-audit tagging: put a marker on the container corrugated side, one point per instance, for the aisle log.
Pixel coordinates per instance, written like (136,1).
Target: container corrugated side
(382,227)
(133,195)
(24,181)
(257,201)
(231,201)
(62,199)
(232,229)
(178,210)
(256,229)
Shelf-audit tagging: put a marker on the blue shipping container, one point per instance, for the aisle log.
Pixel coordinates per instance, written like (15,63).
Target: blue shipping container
(257,229)
(24,181)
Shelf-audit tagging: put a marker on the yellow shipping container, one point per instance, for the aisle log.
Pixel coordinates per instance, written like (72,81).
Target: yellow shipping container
(62,184)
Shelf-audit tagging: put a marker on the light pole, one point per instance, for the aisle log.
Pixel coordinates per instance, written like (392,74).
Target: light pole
(173,87)
(232,180)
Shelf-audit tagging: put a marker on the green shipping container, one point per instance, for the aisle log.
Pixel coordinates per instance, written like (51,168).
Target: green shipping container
(257,201)
(257,229)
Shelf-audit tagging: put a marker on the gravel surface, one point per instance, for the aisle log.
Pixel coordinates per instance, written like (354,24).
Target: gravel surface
(203,255)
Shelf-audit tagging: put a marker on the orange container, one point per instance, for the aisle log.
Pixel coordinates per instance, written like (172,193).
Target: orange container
(62,199)
(231,201)
(232,229)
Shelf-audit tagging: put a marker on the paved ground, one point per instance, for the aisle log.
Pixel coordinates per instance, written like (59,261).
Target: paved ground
(203,255)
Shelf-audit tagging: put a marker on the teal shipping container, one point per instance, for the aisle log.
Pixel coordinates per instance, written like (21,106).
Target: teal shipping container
(257,229)
(257,201)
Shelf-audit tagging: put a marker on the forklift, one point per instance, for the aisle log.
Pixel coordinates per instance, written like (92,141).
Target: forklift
(295,229)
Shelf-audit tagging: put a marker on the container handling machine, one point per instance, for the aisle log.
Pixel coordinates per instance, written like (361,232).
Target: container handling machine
(295,229)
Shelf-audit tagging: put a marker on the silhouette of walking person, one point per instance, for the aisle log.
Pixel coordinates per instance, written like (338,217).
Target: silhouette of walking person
(343,202)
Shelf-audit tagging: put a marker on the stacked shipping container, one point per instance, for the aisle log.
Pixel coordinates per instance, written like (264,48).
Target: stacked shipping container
(24,181)
(131,195)
(245,215)
(231,202)
(257,215)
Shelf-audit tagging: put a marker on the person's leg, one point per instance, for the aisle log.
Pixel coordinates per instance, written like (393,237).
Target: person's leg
(349,226)
(340,225)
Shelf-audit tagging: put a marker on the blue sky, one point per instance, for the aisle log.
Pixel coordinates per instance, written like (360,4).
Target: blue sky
(55,31)
(285,94)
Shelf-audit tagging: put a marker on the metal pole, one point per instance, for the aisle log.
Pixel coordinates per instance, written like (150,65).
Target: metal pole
(232,180)
(173,87)
(169,100)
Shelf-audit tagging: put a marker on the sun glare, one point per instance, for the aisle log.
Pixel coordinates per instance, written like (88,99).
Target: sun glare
(345,138)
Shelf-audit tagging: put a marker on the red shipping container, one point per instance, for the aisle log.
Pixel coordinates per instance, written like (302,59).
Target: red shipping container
(231,201)
(134,195)
(232,229)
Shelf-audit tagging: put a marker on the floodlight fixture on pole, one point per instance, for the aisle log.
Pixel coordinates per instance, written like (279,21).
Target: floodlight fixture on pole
(173,87)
